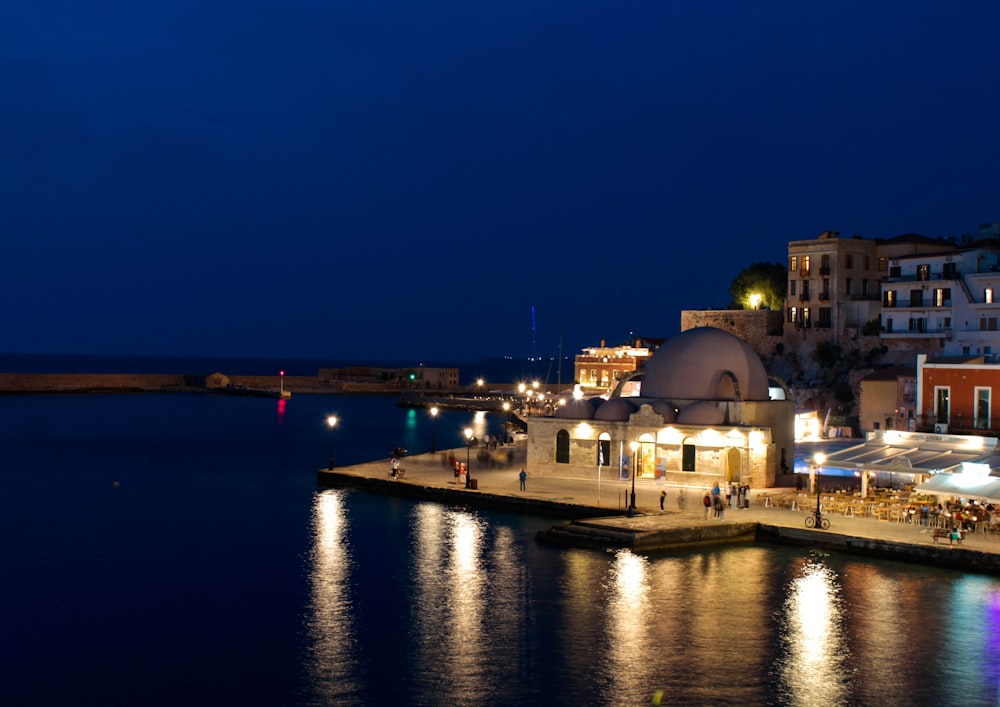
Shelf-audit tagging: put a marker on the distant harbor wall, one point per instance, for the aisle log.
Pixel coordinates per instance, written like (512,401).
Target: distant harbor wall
(90,382)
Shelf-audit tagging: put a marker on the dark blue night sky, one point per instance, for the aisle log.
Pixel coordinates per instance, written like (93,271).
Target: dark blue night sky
(333,179)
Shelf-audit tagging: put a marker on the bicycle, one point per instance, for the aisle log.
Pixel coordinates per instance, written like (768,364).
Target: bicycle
(816,518)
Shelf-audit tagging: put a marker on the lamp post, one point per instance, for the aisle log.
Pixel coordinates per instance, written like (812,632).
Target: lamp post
(635,448)
(434,414)
(331,422)
(819,458)
(468,455)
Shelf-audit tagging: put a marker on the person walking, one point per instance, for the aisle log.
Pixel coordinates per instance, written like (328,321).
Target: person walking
(523,476)
(707,502)
(663,497)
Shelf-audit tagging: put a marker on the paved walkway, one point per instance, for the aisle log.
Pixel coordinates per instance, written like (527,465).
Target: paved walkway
(433,470)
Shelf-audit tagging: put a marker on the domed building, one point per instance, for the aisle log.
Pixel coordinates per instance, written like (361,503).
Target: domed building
(703,411)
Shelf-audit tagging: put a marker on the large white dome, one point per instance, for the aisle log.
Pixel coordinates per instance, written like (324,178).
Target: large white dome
(700,364)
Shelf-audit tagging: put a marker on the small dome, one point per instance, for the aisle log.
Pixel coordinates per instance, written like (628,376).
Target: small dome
(576,410)
(702,412)
(667,410)
(615,410)
(700,364)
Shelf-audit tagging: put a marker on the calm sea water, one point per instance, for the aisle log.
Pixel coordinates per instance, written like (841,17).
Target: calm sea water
(173,550)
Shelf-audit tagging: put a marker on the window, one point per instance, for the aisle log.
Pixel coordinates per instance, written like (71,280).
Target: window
(805,316)
(988,295)
(824,264)
(826,287)
(941,409)
(688,455)
(865,288)
(916,298)
(895,271)
(562,447)
(848,283)
(924,272)
(988,324)
(982,408)
(883,264)
(849,261)
(825,317)
(942,297)
(604,450)
(918,325)
(793,287)
(793,263)
(793,314)
(868,262)
(889,298)
(805,264)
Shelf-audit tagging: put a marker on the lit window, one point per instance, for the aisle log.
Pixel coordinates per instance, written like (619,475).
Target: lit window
(988,295)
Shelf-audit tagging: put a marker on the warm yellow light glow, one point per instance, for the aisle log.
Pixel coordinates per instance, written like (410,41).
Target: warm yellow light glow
(468,433)
(819,458)
(521,387)
(434,412)
(577,392)
(562,401)
(756,439)
(584,430)
(479,382)
(892,437)
(534,384)
(506,407)
(709,437)
(633,445)
(332,421)
(755,300)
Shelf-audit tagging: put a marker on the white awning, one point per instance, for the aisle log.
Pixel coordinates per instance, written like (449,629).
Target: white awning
(962,486)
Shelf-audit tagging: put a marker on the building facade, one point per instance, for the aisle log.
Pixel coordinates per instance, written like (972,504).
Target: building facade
(704,415)
(956,396)
(598,369)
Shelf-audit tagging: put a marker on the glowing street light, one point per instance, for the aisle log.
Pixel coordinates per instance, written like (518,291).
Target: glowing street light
(635,448)
(468,456)
(434,414)
(331,421)
(755,300)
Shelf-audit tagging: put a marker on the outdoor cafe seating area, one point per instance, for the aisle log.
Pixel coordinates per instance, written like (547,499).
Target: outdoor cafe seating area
(892,506)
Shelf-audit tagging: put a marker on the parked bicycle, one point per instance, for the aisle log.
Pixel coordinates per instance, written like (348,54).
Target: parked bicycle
(816,518)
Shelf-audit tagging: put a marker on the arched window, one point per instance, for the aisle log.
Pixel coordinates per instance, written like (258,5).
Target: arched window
(562,447)
(688,454)
(604,450)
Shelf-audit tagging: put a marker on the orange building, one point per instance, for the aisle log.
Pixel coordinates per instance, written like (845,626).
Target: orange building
(955,395)
(599,368)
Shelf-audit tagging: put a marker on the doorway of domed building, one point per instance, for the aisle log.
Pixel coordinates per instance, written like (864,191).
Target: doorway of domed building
(734,464)
(646,457)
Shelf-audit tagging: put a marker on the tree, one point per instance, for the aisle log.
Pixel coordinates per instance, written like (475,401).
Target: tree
(760,286)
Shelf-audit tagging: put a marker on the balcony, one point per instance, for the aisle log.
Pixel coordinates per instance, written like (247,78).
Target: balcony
(824,296)
(804,297)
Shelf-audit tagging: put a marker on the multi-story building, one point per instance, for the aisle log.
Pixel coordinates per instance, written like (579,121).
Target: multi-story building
(599,368)
(946,302)
(833,286)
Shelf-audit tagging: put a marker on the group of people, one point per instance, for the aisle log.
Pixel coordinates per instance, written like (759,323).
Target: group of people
(717,500)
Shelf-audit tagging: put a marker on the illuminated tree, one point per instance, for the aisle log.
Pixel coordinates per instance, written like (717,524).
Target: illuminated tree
(760,286)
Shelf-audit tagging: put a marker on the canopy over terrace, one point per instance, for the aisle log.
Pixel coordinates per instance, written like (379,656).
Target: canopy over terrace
(912,454)
(963,485)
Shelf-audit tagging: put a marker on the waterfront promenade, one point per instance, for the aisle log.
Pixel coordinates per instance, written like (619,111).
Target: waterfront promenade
(430,476)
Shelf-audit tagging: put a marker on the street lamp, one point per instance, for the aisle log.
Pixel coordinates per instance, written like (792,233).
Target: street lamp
(635,448)
(819,458)
(468,456)
(434,414)
(331,421)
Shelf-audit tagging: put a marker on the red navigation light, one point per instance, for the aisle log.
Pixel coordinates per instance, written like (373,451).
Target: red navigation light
(281,373)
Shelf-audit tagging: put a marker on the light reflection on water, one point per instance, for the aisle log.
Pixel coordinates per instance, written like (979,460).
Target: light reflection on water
(493,618)
(813,669)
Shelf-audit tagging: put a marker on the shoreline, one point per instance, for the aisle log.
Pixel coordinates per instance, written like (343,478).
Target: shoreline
(605,526)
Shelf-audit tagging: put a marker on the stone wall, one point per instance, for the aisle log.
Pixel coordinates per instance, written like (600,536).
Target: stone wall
(760,328)
(89,382)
